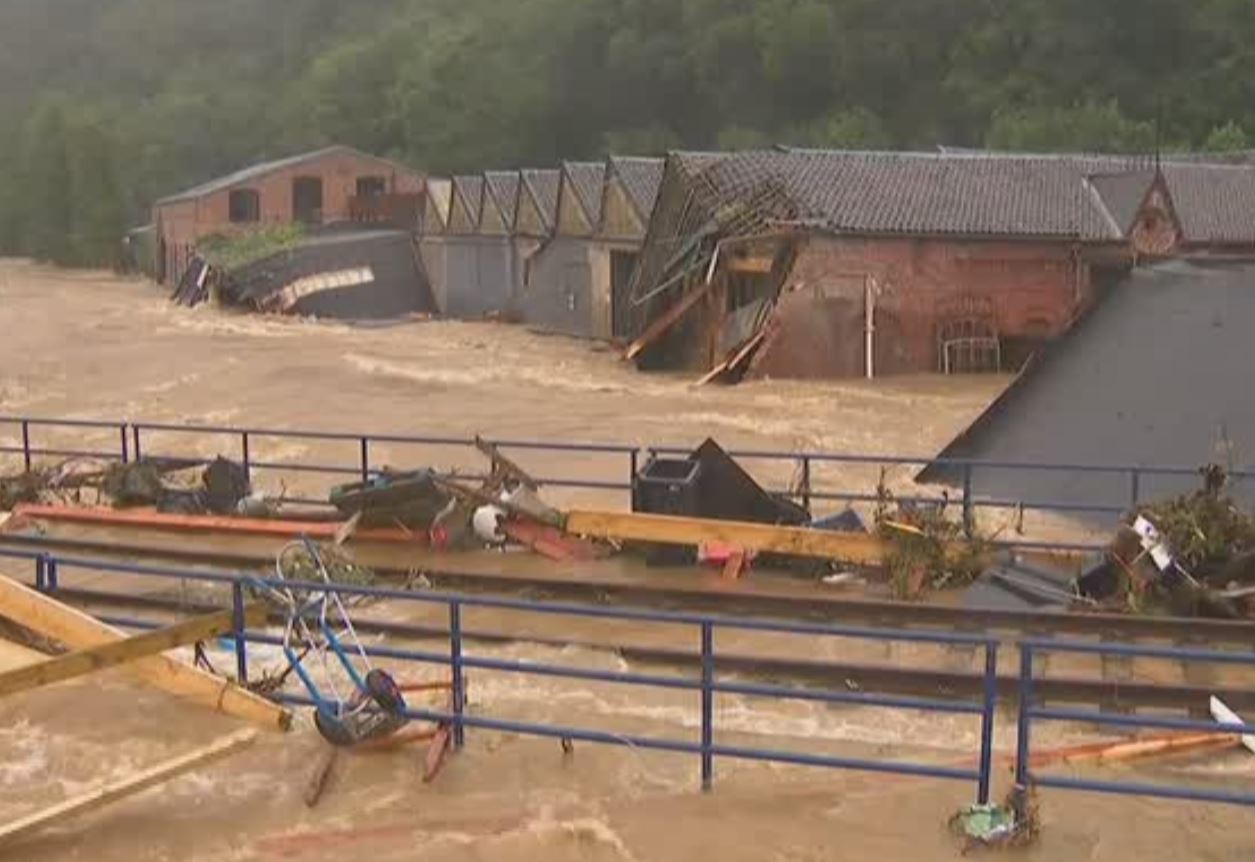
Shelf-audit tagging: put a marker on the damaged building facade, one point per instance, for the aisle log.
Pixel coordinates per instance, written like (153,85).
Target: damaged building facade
(330,186)
(817,264)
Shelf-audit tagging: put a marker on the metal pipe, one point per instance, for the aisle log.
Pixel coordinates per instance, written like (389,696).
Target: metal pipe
(1025,716)
(987,719)
(26,445)
(245,456)
(457,693)
(122,429)
(365,458)
(241,638)
(708,705)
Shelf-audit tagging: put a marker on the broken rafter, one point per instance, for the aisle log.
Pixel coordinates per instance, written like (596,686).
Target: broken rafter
(666,320)
(735,358)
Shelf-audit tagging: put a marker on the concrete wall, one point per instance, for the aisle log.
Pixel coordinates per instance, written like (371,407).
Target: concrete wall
(471,276)
(1033,288)
(569,287)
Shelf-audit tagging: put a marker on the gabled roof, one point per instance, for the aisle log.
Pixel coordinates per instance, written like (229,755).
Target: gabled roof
(502,187)
(586,180)
(641,178)
(263,169)
(468,192)
(985,195)
(543,186)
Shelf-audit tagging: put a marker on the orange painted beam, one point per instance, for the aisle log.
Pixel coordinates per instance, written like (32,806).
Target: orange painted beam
(152,520)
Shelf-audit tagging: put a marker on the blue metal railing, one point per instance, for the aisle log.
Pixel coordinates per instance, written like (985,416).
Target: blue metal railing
(707,684)
(1029,712)
(134,439)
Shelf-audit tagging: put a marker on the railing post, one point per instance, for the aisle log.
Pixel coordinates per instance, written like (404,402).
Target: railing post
(241,642)
(708,705)
(1025,708)
(139,456)
(41,573)
(26,444)
(634,458)
(247,458)
(987,718)
(126,454)
(365,453)
(969,519)
(457,691)
(806,483)
(50,574)
(1135,487)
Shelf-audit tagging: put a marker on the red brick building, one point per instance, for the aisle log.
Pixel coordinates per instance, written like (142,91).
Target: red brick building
(841,264)
(331,185)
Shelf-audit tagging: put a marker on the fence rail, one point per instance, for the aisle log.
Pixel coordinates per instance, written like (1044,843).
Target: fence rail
(707,684)
(134,441)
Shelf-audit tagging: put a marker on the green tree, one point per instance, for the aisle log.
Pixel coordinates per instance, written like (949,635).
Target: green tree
(1226,139)
(97,214)
(1094,127)
(45,193)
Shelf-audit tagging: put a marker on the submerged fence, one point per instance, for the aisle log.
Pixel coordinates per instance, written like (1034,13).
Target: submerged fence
(135,440)
(707,684)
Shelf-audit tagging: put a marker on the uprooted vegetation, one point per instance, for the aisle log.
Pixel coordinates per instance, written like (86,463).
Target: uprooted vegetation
(229,252)
(927,549)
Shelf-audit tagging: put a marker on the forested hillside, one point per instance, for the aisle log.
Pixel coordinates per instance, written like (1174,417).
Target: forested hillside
(105,104)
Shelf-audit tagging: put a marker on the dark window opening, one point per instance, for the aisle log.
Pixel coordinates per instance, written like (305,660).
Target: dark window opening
(244,206)
(307,200)
(371,187)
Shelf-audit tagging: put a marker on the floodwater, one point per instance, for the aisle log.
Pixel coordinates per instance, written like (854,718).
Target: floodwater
(89,345)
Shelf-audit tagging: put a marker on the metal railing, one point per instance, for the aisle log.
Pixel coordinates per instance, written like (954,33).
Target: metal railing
(134,439)
(1029,712)
(48,569)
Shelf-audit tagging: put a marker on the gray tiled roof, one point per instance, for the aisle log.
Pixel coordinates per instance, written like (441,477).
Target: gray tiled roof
(587,179)
(262,169)
(544,187)
(986,195)
(641,178)
(504,188)
(470,188)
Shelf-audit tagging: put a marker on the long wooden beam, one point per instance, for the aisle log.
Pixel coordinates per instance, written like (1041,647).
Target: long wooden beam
(860,548)
(666,320)
(129,786)
(109,655)
(78,630)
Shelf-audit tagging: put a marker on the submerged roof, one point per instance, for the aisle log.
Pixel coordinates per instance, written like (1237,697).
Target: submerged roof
(1109,393)
(265,168)
(1082,197)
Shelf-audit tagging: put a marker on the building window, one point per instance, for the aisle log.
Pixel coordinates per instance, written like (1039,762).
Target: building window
(371,187)
(244,206)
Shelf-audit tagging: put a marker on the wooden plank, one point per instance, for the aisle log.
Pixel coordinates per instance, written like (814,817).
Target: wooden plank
(754,265)
(666,320)
(77,630)
(109,655)
(149,519)
(860,548)
(129,786)
(735,359)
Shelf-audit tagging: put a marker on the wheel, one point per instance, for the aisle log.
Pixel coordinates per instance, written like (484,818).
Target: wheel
(385,691)
(332,729)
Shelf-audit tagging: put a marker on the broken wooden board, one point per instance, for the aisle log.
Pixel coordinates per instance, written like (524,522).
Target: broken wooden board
(129,786)
(77,630)
(131,649)
(735,359)
(666,320)
(859,548)
(550,542)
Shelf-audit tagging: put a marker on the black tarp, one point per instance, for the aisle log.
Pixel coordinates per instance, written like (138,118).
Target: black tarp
(1157,374)
(390,281)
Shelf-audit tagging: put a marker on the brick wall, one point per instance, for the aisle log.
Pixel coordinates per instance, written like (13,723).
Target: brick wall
(1031,288)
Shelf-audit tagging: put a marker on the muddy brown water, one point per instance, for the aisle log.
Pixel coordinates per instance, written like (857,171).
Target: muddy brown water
(90,345)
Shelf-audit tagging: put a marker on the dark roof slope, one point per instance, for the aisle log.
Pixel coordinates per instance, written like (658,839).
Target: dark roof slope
(1114,391)
(258,171)
(641,178)
(504,188)
(471,188)
(980,194)
(543,184)
(587,179)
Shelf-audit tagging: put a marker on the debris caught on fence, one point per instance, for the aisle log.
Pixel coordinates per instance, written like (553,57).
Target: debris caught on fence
(1014,823)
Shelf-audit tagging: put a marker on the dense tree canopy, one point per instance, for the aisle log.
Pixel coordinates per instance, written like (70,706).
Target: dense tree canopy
(107,104)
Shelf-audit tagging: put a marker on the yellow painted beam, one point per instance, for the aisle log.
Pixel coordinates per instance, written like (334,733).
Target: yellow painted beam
(129,786)
(78,630)
(860,548)
(109,655)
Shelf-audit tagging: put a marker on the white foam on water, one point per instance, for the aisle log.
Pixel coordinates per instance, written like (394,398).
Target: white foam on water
(25,748)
